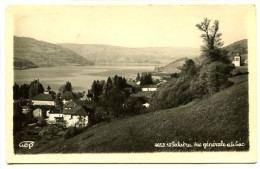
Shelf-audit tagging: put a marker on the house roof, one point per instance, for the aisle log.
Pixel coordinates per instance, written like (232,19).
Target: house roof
(149,86)
(68,95)
(78,110)
(69,104)
(56,111)
(131,83)
(43,97)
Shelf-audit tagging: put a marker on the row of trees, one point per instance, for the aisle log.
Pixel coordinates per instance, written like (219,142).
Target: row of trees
(112,99)
(26,91)
(145,79)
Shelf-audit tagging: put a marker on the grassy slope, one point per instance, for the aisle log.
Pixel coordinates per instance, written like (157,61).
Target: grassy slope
(223,116)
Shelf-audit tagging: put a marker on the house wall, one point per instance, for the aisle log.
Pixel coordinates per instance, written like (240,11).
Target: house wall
(37,113)
(52,117)
(44,103)
(236,61)
(149,89)
(71,122)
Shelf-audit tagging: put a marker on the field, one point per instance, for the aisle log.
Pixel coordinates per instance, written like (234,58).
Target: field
(220,118)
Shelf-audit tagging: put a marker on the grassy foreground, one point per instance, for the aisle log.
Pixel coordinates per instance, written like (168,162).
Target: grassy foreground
(220,118)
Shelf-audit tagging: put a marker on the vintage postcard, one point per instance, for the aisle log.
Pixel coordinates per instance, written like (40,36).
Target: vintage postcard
(131,83)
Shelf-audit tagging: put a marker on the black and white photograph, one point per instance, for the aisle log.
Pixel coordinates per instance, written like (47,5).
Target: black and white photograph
(131,79)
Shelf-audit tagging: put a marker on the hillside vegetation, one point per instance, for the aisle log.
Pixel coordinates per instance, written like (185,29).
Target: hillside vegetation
(222,116)
(119,54)
(30,53)
(239,47)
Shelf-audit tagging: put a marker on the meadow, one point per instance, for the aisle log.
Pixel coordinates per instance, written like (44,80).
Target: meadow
(219,118)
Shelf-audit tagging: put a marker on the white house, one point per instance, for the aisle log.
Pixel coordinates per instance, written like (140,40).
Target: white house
(37,113)
(43,99)
(237,60)
(149,88)
(146,105)
(77,116)
(26,109)
(72,114)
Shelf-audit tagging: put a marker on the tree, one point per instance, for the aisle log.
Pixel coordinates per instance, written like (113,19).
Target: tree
(66,87)
(138,77)
(216,66)
(96,90)
(112,99)
(35,88)
(58,100)
(16,92)
(211,50)
(189,69)
(24,91)
(147,79)
(119,82)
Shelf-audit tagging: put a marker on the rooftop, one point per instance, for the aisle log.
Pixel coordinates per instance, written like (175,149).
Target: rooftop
(149,86)
(43,97)
(78,110)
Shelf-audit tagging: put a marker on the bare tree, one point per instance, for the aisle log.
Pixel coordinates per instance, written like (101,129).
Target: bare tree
(211,36)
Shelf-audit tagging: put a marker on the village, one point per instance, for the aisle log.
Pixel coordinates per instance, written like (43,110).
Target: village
(50,116)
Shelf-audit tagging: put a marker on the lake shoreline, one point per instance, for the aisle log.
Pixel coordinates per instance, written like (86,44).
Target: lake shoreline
(81,77)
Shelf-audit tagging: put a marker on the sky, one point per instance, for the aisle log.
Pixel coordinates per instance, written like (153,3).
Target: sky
(129,25)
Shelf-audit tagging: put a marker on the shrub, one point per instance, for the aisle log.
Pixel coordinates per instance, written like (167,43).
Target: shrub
(213,77)
(41,122)
(95,117)
(67,135)
(71,132)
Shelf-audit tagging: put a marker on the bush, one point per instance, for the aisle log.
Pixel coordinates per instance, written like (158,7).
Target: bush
(41,122)
(96,117)
(212,78)
(71,132)
(172,94)
(67,135)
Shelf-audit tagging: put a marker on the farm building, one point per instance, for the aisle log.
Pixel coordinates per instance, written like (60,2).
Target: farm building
(237,60)
(26,109)
(149,88)
(55,116)
(38,113)
(73,114)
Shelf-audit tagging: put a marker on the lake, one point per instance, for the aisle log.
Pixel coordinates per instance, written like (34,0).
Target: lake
(81,77)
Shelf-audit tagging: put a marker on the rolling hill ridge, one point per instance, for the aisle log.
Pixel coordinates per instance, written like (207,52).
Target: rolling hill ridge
(31,53)
(238,47)
(119,54)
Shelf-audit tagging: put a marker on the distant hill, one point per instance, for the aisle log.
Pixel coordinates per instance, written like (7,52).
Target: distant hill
(174,66)
(118,54)
(30,53)
(239,47)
